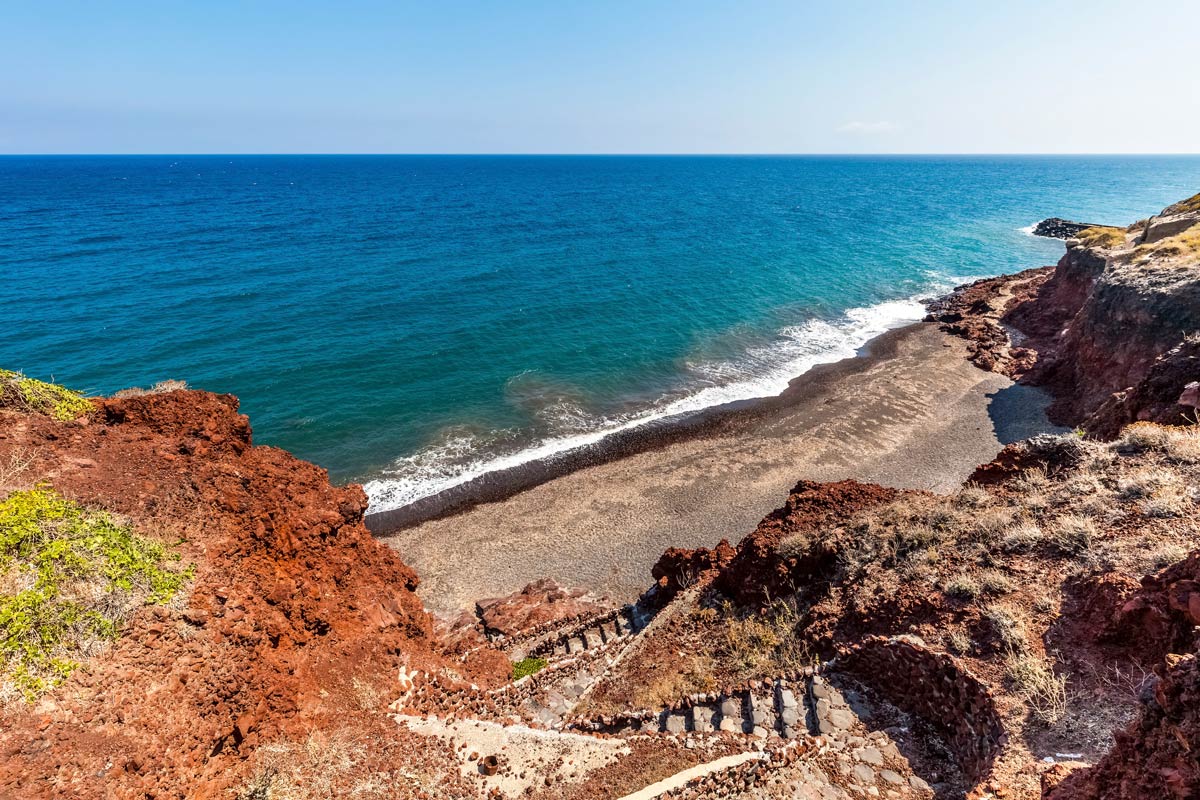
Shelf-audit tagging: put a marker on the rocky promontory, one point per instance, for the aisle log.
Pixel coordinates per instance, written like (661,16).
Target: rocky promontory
(1058,228)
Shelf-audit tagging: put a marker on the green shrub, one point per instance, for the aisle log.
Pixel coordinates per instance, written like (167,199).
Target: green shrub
(527,666)
(69,578)
(27,394)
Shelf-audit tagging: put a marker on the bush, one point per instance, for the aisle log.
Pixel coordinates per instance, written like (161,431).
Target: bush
(71,577)
(27,394)
(1142,436)
(1044,692)
(1072,535)
(962,587)
(1008,628)
(527,666)
(995,582)
(762,645)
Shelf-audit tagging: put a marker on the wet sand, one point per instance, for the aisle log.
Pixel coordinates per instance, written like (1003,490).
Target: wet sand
(910,412)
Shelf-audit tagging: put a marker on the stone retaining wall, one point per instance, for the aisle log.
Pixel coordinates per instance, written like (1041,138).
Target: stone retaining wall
(935,687)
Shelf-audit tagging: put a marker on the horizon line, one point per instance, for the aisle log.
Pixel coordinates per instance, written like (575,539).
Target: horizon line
(611,155)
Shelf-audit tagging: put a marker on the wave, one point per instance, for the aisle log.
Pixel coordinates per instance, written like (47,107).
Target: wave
(1028,229)
(764,371)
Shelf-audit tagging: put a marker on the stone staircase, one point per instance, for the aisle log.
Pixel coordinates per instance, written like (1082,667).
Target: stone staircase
(804,711)
(578,655)
(594,633)
(789,707)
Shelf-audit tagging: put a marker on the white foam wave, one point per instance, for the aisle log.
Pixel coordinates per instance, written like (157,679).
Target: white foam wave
(1028,229)
(765,371)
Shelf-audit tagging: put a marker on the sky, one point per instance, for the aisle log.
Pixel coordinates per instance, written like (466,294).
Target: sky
(615,76)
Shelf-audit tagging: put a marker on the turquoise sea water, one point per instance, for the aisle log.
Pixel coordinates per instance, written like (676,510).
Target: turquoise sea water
(414,321)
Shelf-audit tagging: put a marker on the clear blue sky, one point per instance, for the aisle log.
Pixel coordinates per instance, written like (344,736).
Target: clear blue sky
(755,76)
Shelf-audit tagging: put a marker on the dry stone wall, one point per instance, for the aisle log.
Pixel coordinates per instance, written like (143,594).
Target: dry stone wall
(935,687)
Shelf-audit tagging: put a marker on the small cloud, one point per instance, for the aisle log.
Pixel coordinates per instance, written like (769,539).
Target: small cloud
(868,127)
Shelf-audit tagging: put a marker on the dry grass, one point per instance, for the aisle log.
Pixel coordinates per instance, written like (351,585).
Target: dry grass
(1073,535)
(1181,246)
(762,645)
(994,582)
(15,468)
(1162,557)
(1022,538)
(974,496)
(1178,444)
(959,642)
(1043,691)
(322,767)
(1008,627)
(158,388)
(963,587)
(1101,236)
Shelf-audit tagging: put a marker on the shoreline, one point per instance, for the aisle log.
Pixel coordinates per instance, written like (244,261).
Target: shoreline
(502,484)
(910,412)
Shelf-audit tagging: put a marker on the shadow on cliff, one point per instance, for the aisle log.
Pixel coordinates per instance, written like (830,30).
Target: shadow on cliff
(1019,412)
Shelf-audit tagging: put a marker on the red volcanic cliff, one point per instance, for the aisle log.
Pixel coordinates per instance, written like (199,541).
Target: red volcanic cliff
(1108,332)
(294,606)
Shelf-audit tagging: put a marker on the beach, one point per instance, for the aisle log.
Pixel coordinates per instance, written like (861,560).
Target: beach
(910,411)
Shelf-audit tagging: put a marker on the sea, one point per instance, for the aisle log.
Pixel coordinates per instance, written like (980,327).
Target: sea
(414,322)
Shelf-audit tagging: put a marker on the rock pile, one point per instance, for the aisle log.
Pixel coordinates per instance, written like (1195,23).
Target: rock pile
(1058,228)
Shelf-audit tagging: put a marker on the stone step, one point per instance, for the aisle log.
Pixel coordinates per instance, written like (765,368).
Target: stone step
(627,622)
(790,710)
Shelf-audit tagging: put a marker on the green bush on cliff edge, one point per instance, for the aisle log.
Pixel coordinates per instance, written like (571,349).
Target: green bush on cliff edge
(69,578)
(28,394)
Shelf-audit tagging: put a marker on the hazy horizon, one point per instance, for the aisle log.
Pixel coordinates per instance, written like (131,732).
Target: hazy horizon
(667,78)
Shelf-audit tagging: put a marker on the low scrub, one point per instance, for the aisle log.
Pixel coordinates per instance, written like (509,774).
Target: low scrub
(1035,682)
(762,645)
(28,394)
(527,666)
(159,388)
(1102,236)
(69,579)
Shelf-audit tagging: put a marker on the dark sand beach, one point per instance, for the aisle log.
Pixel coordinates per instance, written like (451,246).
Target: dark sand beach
(909,412)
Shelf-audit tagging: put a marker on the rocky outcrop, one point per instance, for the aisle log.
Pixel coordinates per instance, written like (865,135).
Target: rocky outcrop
(975,312)
(535,608)
(1108,332)
(679,568)
(1157,755)
(1167,395)
(1058,228)
(1162,616)
(1172,221)
(766,567)
(292,602)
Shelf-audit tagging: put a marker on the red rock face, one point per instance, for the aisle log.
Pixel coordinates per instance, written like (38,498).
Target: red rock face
(679,568)
(292,599)
(1156,757)
(1121,326)
(1103,332)
(1161,617)
(761,569)
(536,607)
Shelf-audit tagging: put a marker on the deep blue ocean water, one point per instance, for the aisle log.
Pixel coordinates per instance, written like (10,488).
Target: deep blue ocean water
(411,321)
